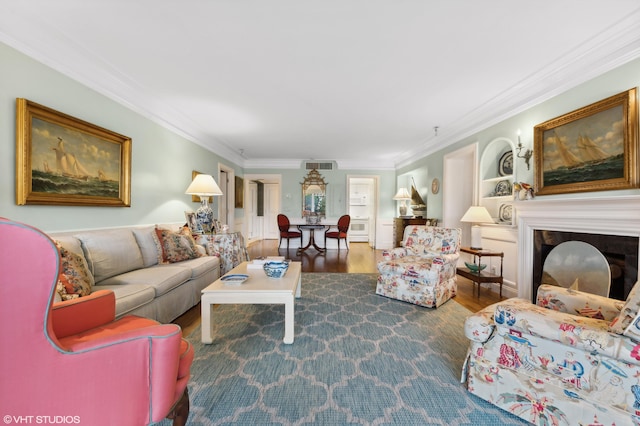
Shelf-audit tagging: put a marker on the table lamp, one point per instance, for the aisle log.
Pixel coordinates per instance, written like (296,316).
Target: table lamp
(476,214)
(403,196)
(204,186)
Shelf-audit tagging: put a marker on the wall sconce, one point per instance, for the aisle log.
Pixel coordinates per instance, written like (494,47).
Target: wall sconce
(527,154)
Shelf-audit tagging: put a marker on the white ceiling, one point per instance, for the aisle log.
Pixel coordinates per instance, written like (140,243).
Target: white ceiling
(363,82)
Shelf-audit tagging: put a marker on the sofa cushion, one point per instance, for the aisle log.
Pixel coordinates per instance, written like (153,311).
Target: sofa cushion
(201,265)
(162,278)
(74,274)
(177,246)
(130,296)
(149,244)
(111,252)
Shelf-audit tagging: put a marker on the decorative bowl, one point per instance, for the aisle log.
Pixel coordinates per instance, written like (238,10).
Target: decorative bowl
(473,267)
(275,269)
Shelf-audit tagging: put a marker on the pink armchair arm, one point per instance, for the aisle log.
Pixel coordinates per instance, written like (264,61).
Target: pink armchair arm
(96,309)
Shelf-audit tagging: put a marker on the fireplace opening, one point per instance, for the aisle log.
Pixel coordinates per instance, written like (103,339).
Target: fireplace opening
(620,251)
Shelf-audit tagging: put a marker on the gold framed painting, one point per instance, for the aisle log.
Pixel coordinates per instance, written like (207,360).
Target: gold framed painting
(62,160)
(594,148)
(239,192)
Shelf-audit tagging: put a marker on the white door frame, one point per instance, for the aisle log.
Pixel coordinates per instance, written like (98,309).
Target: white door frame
(459,191)
(376,196)
(266,178)
(228,188)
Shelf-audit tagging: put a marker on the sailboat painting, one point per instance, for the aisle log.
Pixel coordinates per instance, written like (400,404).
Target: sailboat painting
(594,148)
(65,161)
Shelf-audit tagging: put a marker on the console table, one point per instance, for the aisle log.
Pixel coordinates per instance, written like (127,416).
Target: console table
(481,276)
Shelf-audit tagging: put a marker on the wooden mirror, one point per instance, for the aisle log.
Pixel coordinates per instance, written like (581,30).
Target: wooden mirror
(314,192)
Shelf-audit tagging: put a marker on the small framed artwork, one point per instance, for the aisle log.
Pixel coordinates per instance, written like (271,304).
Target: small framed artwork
(62,160)
(594,148)
(239,192)
(192,222)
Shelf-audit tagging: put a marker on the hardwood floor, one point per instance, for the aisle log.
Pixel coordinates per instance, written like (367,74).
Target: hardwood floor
(360,258)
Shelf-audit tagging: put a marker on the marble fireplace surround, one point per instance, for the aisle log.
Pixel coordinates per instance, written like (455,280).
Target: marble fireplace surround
(602,215)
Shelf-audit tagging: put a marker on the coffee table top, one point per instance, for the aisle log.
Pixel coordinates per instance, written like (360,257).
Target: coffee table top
(258,281)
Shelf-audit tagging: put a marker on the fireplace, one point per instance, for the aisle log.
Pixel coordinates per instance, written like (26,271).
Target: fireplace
(620,251)
(578,218)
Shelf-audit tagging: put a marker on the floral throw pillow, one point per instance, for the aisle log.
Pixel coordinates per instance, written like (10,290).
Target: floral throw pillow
(177,246)
(74,274)
(629,311)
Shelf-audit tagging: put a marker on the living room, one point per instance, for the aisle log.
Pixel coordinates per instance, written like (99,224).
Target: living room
(164,158)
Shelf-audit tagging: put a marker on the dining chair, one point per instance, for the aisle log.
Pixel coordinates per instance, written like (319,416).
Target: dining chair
(284,225)
(341,233)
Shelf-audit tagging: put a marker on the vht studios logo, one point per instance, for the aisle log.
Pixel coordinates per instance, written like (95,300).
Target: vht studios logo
(41,420)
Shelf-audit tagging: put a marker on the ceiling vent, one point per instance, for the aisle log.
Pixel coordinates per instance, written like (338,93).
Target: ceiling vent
(320,165)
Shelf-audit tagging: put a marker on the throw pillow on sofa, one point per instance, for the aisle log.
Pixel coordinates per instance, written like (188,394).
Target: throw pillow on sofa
(177,246)
(74,277)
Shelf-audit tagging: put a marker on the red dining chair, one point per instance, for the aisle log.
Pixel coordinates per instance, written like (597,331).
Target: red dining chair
(341,233)
(284,225)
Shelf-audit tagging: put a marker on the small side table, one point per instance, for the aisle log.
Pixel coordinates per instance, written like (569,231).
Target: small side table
(481,276)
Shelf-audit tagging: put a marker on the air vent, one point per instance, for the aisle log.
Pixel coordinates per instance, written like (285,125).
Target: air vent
(325,165)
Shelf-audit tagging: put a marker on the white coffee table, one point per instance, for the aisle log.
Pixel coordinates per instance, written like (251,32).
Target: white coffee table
(257,290)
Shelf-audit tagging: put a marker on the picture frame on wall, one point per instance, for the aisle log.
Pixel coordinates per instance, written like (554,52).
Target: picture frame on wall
(239,192)
(594,148)
(62,160)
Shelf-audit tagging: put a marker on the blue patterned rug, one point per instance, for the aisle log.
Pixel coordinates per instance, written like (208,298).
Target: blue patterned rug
(357,358)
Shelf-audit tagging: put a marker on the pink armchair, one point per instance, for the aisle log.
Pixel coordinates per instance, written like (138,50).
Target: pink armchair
(73,359)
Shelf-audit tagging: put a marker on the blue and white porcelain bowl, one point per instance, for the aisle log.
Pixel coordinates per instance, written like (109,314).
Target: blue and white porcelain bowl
(275,269)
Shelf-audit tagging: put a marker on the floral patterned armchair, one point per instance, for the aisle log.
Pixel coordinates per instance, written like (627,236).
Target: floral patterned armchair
(423,270)
(573,358)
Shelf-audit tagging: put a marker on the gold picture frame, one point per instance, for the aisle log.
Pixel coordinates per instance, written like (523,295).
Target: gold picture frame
(594,148)
(62,160)
(239,192)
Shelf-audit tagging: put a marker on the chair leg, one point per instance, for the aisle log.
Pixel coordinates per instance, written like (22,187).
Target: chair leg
(180,412)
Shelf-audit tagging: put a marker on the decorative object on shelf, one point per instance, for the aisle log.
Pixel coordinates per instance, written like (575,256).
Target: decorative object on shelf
(473,267)
(435,186)
(418,206)
(476,215)
(527,154)
(403,196)
(204,186)
(505,213)
(54,164)
(522,191)
(594,148)
(503,188)
(505,164)
(275,269)
(314,194)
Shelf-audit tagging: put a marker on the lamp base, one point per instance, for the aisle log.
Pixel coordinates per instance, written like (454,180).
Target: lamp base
(403,210)
(476,237)
(204,215)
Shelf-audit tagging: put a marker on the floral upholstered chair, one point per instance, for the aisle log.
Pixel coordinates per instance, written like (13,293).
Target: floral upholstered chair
(423,270)
(572,358)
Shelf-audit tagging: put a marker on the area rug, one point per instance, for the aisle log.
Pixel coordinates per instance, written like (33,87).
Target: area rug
(357,358)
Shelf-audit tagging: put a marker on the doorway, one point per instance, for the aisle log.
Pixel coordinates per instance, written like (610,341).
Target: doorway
(362,193)
(263,199)
(459,191)
(226,201)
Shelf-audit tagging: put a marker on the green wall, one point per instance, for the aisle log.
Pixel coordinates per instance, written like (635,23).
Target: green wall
(161,160)
(613,82)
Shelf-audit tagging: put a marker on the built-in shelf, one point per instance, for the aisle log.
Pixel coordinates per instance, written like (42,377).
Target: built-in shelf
(497,176)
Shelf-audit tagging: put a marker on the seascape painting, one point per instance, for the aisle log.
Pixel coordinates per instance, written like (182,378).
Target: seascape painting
(594,148)
(582,152)
(62,160)
(67,161)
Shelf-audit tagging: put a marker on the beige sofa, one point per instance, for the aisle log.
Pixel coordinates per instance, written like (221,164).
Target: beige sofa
(128,260)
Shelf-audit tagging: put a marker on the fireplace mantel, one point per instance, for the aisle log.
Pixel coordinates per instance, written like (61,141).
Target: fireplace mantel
(602,215)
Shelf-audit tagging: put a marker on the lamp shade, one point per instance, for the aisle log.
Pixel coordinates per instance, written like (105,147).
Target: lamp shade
(204,186)
(477,214)
(402,195)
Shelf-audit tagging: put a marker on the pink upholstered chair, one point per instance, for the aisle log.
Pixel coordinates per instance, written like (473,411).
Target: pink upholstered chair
(340,233)
(73,358)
